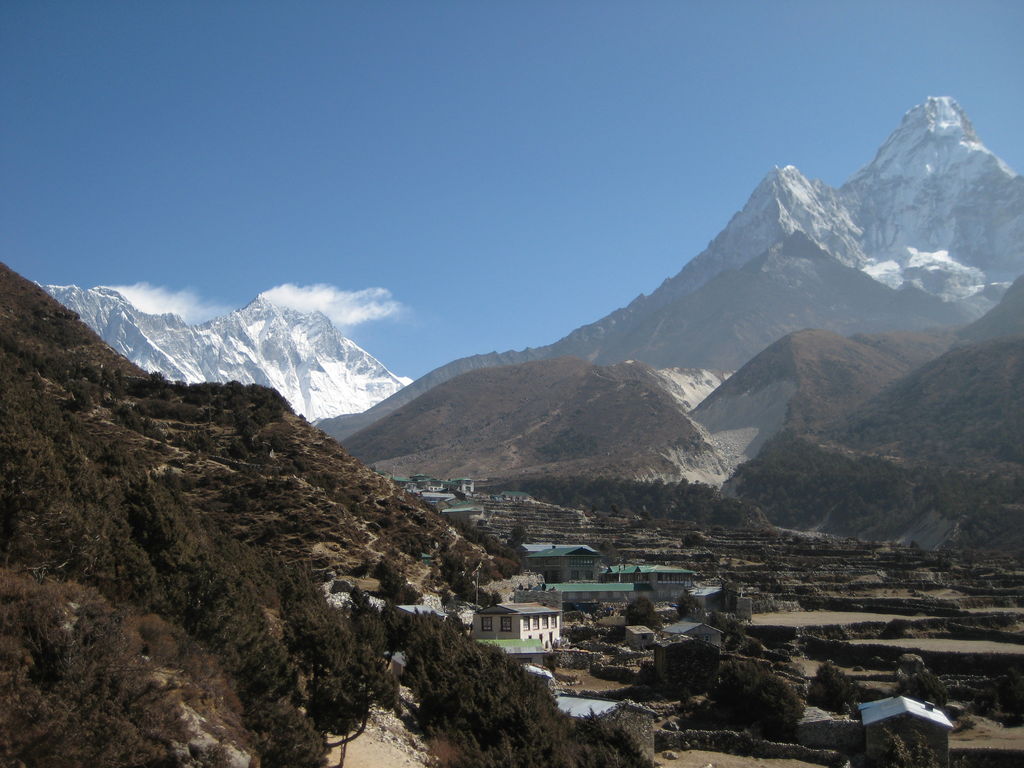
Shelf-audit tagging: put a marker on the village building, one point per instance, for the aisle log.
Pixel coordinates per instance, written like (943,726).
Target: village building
(636,722)
(665,581)
(519,621)
(639,637)
(542,673)
(420,610)
(465,512)
(697,630)
(461,484)
(709,599)
(558,564)
(520,496)
(435,497)
(655,575)
(419,483)
(686,665)
(530,652)
(588,593)
(909,719)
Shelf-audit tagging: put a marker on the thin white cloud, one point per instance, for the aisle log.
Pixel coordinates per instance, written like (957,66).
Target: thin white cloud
(345,308)
(156,300)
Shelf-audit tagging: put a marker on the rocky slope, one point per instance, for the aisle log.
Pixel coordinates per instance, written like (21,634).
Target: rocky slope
(303,356)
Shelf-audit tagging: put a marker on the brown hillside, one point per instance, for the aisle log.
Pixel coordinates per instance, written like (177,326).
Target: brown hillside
(1004,319)
(562,416)
(964,409)
(189,528)
(808,379)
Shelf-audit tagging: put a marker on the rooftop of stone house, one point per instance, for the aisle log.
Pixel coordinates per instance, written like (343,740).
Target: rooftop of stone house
(883,709)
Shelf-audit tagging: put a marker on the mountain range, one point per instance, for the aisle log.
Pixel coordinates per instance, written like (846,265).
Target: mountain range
(933,456)
(929,233)
(301,355)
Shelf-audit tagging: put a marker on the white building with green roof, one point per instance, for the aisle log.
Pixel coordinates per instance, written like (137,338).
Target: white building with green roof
(519,621)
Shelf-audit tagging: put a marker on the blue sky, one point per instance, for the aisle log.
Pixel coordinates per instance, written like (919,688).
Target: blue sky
(458,177)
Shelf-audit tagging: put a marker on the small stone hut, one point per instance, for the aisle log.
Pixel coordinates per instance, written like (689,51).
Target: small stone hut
(910,720)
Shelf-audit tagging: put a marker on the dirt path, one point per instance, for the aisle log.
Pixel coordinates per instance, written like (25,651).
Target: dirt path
(369,751)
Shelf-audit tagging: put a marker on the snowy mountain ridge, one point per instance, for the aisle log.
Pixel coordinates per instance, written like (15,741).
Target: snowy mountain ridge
(303,356)
(933,209)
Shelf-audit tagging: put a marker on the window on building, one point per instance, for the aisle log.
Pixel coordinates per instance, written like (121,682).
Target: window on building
(536,622)
(506,623)
(544,623)
(486,624)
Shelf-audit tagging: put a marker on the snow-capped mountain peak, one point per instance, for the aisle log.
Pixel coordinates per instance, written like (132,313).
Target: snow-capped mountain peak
(934,138)
(939,210)
(301,355)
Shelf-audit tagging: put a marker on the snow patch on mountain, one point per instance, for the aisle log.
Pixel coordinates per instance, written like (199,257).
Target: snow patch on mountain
(301,355)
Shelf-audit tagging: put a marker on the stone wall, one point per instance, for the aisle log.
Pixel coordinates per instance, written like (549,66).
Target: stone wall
(616,672)
(844,735)
(571,659)
(910,729)
(736,743)
(638,723)
(963,757)
(687,666)
(939,662)
(551,599)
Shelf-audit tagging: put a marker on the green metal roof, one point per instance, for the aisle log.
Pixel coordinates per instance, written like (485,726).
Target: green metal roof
(564,551)
(463,507)
(647,569)
(590,586)
(514,643)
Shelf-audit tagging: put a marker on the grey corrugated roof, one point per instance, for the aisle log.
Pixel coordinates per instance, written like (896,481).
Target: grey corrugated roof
(705,591)
(577,706)
(533,669)
(421,609)
(519,608)
(682,627)
(883,709)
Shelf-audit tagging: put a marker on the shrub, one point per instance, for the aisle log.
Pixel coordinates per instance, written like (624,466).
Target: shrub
(924,686)
(832,689)
(756,695)
(641,612)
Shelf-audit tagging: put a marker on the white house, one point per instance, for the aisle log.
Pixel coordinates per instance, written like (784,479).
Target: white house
(519,621)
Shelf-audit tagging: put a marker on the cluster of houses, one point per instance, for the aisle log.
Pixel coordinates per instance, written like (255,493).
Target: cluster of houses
(451,494)
(574,576)
(577,575)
